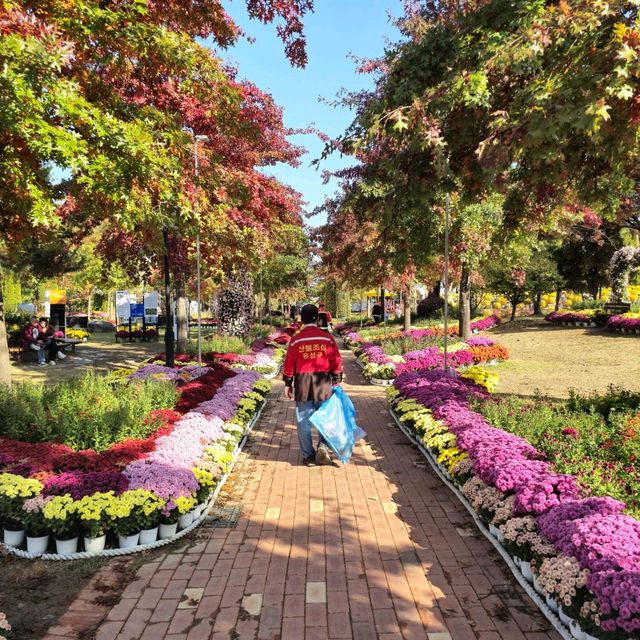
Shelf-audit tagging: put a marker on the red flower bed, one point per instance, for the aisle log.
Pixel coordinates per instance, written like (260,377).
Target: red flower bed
(46,459)
(202,389)
(29,458)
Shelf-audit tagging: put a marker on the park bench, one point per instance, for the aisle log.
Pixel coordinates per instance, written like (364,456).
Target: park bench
(29,355)
(615,308)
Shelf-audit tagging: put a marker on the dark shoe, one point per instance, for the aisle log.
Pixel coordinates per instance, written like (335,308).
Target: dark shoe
(322,455)
(309,462)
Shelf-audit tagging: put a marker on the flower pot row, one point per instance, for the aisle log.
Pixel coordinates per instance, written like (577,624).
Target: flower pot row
(37,544)
(553,574)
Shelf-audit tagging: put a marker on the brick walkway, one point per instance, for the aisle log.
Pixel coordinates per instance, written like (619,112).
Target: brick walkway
(374,549)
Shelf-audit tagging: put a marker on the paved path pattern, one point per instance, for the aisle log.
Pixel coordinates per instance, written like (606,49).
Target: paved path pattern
(377,548)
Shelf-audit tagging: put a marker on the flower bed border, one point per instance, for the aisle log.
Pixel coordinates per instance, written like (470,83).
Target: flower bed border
(80,555)
(380,382)
(445,477)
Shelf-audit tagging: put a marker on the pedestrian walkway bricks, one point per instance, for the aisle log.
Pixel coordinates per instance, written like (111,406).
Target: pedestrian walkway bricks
(377,548)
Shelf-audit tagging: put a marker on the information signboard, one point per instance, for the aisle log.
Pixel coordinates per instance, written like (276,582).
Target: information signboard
(151,300)
(123,305)
(136,310)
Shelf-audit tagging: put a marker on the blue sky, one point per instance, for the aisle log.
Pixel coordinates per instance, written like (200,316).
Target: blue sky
(335,29)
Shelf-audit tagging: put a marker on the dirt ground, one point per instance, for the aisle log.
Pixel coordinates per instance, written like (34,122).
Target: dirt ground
(553,360)
(99,353)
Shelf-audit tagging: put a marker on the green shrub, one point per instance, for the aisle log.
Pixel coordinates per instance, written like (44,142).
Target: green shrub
(596,439)
(88,412)
(616,399)
(219,344)
(579,305)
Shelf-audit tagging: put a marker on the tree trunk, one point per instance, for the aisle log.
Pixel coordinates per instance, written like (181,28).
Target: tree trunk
(267,304)
(89,305)
(537,304)
(406,299)
(558,298)
(464,323)
(514,305)
(182,318)
(111,307)
(5,364)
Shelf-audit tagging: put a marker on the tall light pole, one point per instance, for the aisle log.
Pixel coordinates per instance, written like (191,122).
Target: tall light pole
(446,284)
(198,138)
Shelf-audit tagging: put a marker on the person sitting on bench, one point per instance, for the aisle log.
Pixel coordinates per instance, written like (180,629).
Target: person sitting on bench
(47,333)
(34,338)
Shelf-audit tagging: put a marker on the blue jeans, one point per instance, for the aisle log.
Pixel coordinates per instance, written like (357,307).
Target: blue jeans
(303,415)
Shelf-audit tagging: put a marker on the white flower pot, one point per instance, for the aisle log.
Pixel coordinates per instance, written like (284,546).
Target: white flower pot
(525,569)
(94,545)
(564,618)
(552,604)
(66,547)
(37,545)
(13,538)
(185,520)
(197,510)
(167,530)
(576,631)
(128,542)
(149,536)
(537,587)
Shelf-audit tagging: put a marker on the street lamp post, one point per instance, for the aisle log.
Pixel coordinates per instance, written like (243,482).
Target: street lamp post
(169,339)
(198,138)
(446,284)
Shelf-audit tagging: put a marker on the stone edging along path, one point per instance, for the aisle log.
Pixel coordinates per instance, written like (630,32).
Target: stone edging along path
(444,476)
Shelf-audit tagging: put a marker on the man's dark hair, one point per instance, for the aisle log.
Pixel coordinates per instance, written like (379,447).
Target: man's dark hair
(43,319)
(309,314)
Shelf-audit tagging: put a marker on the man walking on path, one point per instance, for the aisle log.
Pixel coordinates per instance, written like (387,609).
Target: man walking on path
(311,368)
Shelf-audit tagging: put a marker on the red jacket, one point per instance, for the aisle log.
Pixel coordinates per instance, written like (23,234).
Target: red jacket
(31,335)
(313,364)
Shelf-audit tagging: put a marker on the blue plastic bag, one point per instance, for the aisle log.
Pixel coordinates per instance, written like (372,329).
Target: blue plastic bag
(336,421)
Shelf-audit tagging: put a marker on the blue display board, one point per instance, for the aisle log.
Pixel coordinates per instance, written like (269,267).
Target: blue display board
(137,310)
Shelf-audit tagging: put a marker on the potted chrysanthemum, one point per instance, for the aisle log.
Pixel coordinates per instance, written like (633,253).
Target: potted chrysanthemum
(94,519)
(206,483)
(14,490)
(35,524)
(176,513)
(131,512)
(62,520)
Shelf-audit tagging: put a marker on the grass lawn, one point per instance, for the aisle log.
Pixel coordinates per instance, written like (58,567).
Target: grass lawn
(553,360)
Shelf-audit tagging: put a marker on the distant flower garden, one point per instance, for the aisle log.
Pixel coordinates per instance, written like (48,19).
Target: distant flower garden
(626,323)
(386,357)
(542,477)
